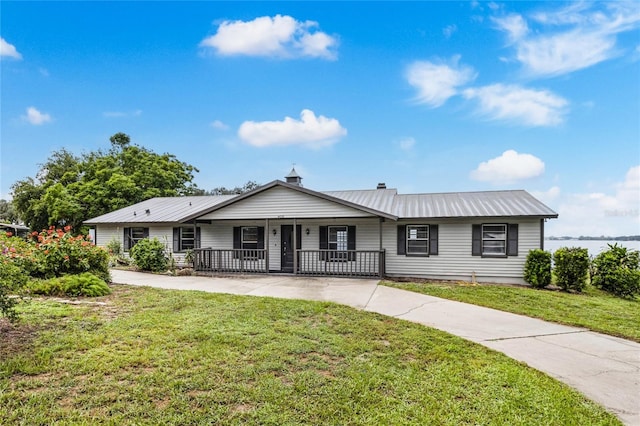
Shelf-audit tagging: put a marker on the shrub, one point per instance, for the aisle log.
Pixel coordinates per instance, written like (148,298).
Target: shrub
(57,252)
(617,271)
(537,268)
(85,284)
(571,267)
(12,280)
(150,255)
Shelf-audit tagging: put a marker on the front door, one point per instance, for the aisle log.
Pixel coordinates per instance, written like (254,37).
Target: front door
(286,243)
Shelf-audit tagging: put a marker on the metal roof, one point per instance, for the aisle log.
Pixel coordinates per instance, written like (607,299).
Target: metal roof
(382,202)
(161,209)
(375,199)
(470,204)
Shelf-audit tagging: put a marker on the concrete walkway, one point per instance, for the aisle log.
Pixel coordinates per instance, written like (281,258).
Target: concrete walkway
(606,369)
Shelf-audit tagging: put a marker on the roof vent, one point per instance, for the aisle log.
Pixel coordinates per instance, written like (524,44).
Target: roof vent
(293,177)
(382,185)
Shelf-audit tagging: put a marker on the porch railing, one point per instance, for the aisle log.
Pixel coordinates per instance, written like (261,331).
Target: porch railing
(349,263)
(231,260)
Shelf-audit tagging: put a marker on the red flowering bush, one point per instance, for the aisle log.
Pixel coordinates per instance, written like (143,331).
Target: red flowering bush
(58,252)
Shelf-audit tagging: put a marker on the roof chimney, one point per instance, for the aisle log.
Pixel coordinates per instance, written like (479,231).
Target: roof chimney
(382,185)
(293,177)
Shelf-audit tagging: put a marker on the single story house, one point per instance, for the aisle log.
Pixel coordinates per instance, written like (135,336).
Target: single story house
(286,228)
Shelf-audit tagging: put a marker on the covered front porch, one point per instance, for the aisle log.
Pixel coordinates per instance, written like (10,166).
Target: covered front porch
(319,247)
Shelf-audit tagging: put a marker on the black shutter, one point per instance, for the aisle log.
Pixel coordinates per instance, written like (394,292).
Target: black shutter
(176,240)
(433,239)
(324,241)
(126,240)
(237,241)
(476,240)
(351,241)
(198,237)
(260,245)
(512,239)
(402,240)
(298,237)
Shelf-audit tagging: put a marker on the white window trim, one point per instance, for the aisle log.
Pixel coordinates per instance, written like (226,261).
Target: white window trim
(182,239)
(338,253)
(505,240)
(407,239)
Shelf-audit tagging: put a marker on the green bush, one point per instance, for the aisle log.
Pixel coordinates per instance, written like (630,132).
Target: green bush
(150,255)
(85,284)
(571,267)
(58,252)
(537,268)
(617,271)
(12,280)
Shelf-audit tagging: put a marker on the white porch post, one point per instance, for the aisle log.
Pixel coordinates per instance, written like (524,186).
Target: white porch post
(266,244)
(295,246)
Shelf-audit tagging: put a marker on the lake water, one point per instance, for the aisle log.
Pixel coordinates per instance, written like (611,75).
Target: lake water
(594,246)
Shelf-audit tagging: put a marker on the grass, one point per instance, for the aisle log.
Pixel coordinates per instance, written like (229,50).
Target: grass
(154,356)
(593,309)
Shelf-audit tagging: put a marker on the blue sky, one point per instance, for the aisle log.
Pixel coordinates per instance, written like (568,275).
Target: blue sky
(425,96)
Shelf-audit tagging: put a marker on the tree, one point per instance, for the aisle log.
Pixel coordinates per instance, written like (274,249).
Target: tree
(68,190)
(7,212)
(221,190)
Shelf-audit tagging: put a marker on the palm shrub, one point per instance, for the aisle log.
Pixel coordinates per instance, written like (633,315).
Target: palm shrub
(85,284)
(617,271)
(537,268)
(150,255)
(571,267)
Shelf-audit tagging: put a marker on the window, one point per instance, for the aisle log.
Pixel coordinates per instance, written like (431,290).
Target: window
(185,238)
(495,240)
(133,235)
(417,239)
(249,237)
(339,243)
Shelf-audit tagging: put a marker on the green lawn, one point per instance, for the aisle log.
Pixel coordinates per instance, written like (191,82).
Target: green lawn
(154,356)
(593,309)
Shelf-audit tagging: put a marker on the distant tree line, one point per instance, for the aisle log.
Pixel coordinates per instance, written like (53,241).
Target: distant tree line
(600,238)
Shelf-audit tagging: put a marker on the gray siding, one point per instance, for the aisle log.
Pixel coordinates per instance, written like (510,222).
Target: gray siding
(219,235)
(280,203)
(454,260)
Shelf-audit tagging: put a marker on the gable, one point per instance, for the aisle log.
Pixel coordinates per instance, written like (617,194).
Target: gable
(281,202)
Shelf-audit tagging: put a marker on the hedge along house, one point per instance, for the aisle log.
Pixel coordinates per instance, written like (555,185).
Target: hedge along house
(284,227)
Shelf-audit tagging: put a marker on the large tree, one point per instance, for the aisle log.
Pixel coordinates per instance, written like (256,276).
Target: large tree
(68,190)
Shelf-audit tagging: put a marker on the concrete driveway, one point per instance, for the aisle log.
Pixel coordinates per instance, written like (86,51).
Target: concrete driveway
(606,369)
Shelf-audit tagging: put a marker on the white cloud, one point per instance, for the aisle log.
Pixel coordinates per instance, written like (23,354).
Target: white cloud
(217,124)
(437,82)
(514,25)
(611,213)
(9,50)
(514,103)
(449,30)
(509,167)
(278,36)
(36,117)
(569,39)
(406,144)
(309,131)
